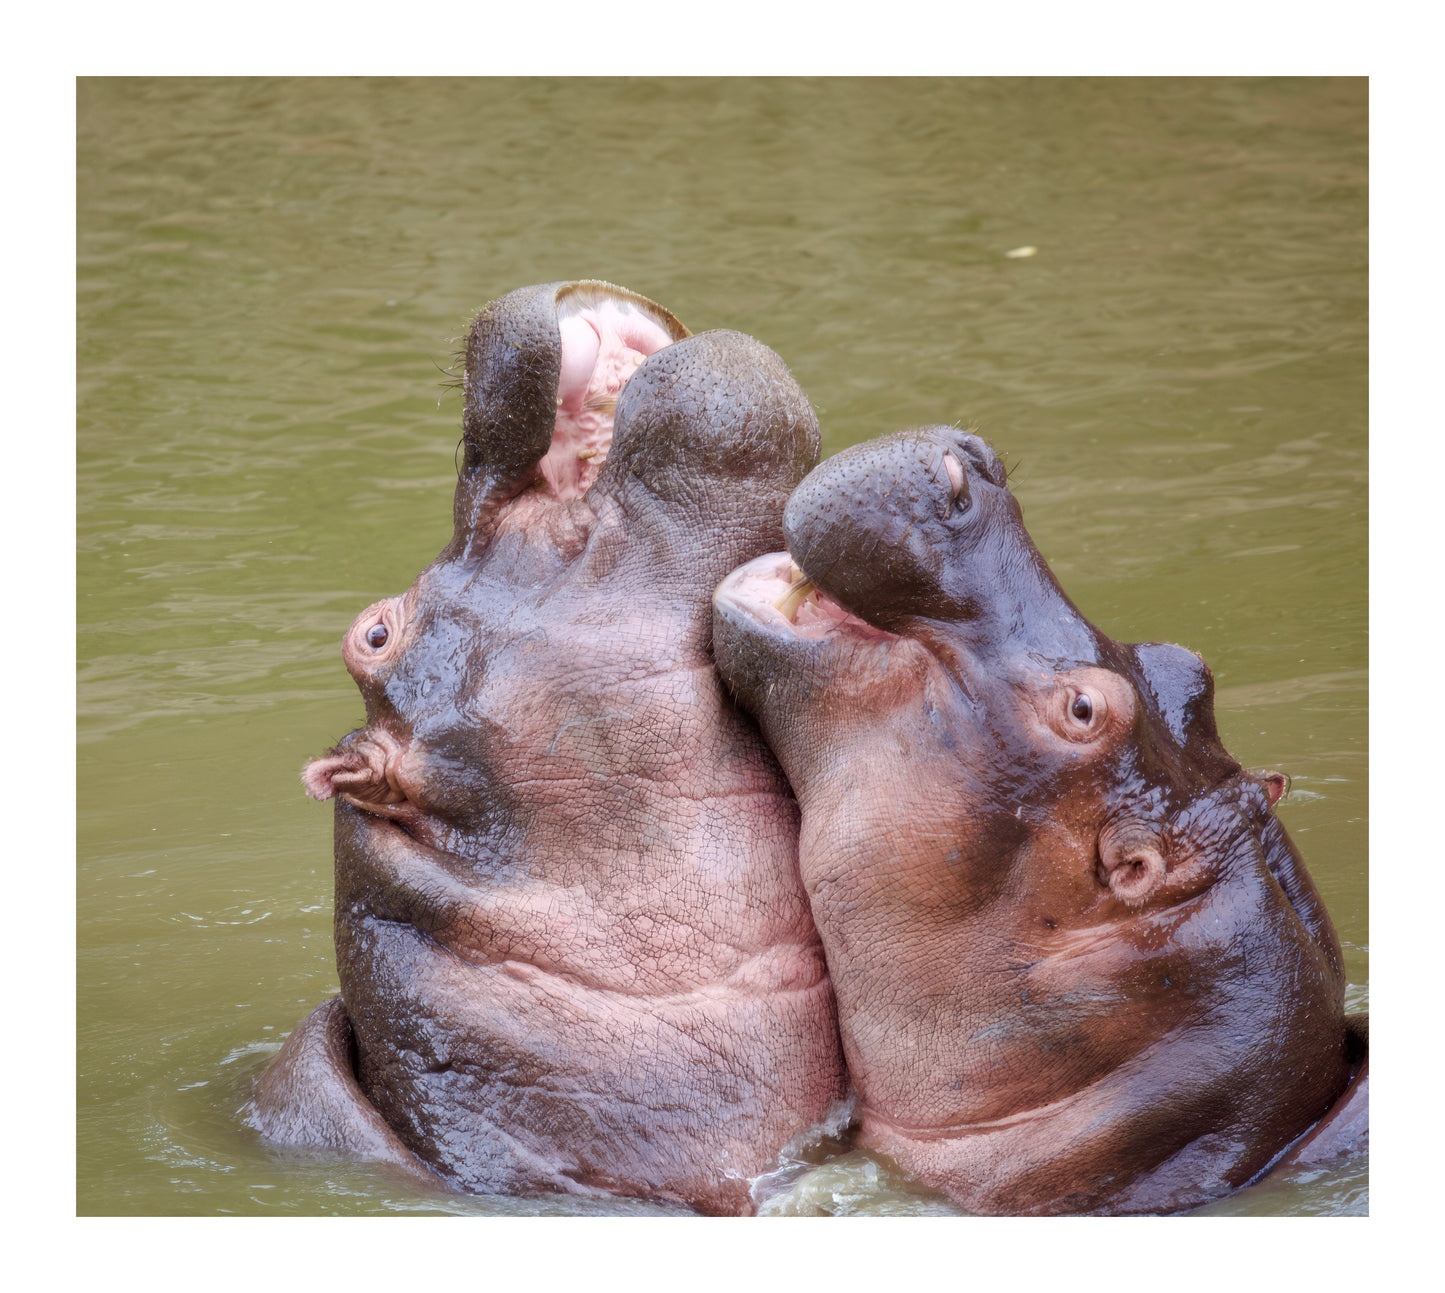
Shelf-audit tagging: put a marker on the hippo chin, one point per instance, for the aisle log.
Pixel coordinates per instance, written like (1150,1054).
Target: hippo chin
(574,950)
(1079,965)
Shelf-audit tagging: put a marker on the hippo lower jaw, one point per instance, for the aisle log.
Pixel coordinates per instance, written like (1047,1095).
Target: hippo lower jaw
(783,647)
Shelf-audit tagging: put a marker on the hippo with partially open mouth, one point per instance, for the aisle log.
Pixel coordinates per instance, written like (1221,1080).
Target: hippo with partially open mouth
(1079,965)
(574,950)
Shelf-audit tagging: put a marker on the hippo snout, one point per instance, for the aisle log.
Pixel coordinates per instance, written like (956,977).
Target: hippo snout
(882,527)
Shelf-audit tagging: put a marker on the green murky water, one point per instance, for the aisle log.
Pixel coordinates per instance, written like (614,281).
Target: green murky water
(271,272)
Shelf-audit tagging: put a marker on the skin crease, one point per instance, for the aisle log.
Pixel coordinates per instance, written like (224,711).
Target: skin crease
(574,951)
(1079,965)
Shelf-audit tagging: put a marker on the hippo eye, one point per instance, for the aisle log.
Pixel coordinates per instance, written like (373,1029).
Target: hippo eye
(376,636)
(1086,711)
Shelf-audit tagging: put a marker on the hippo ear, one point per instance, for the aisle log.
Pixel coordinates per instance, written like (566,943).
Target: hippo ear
(1276,784)
(1183,688)
(1131,864)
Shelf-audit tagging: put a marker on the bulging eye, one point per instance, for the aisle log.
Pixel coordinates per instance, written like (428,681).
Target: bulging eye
(1087,706)
(1085,710)
(376,636)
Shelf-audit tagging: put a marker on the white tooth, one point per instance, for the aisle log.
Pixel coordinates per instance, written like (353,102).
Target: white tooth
(789,603)
(954,468)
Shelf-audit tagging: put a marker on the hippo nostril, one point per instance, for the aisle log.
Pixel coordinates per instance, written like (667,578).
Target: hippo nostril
(376,636)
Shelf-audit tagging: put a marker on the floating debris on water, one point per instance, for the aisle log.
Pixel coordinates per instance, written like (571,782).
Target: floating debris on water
(1018,253)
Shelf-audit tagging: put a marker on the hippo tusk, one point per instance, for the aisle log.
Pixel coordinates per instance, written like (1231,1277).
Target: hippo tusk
(799,590)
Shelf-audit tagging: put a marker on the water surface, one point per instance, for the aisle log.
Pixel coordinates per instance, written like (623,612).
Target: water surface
(272,273)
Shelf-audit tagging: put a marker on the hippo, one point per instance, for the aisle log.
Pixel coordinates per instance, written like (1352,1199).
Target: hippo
(1079,965)
(575,954)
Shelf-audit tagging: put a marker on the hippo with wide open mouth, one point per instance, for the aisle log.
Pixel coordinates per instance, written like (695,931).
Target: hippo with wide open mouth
(574,950)
(1079,965)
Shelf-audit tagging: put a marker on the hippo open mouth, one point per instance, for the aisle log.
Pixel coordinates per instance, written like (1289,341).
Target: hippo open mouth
(867,540)
(776,592)
(607,333)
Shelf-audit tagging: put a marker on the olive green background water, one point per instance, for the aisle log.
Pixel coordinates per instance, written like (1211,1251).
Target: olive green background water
(271,274)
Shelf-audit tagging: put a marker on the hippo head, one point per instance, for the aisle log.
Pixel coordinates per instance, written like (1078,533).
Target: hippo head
(1030,857)
(545,367)
(589,420)
(912,591)
(573,947)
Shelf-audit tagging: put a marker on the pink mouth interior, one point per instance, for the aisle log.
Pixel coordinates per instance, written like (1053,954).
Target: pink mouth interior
(765,582)
(605,337)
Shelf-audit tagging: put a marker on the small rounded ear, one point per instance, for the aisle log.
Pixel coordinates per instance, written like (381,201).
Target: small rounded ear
(1276,784)
(1131,865)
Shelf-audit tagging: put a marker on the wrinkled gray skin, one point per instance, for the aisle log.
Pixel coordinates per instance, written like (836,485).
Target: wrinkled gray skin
(574,950)
(1079,965)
